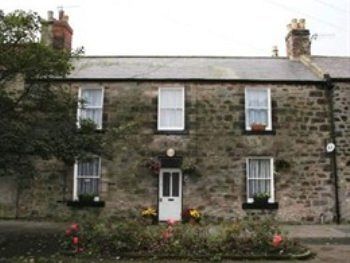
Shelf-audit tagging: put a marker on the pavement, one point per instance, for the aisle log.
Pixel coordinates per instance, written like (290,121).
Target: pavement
(320,234)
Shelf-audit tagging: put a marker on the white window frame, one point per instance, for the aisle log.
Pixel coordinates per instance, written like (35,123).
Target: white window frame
(269,111)
(174,128)
(75,177)
(272,181)
(80,106)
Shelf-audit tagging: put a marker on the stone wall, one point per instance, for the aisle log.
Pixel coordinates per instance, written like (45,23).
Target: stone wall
(341,98)
(215,141)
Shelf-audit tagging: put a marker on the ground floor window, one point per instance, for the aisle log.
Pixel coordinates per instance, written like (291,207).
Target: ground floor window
(87,175)
(259,177)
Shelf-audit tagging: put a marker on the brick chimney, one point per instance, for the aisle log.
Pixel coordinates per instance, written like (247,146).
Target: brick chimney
(298,39)
(57,33)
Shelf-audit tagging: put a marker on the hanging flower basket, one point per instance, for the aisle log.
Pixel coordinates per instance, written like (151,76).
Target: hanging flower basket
(153,164)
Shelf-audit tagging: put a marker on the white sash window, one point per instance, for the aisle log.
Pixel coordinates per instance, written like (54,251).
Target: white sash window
(258,107)
(171,108)
(91,105)
(87,174)
(260,177)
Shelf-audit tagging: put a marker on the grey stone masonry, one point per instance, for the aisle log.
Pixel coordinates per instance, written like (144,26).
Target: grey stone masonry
(215,141)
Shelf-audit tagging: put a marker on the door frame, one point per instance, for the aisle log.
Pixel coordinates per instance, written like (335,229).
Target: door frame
(158,190)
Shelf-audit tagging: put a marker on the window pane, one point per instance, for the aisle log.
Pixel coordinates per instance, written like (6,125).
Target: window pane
(171,98)
(167,118)
(253,168)
(89,168)
(92,97)
(166,184)
(171,118)
(264,169)
(259,186)
(88,186)
(257,116)
(93,114)
(176,184)
(257,98)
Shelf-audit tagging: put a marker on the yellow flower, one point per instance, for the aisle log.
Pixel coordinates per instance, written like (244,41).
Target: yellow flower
(149,212)
(195,214)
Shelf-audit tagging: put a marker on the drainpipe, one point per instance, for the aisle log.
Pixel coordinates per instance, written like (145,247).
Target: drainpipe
(330,92)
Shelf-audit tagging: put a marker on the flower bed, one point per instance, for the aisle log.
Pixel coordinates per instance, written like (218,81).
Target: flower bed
(250,238)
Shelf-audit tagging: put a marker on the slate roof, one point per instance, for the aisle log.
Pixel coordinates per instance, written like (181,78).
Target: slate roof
(337,67)
(191,68)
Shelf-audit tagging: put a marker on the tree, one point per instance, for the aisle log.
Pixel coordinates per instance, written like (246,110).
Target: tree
(37,114)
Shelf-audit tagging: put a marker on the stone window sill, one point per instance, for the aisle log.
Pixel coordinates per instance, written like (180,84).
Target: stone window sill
(86,203)
(267,206)
(160,132)
(272,132)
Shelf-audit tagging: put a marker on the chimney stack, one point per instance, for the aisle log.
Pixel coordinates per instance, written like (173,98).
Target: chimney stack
(57,33)
(298,39)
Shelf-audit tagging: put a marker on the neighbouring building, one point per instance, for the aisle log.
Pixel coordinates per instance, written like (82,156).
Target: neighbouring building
(204,132)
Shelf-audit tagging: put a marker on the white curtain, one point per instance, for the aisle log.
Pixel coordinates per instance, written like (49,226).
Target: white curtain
(171,108)
(92,97)
(257,106)
(89,168)
(259,176)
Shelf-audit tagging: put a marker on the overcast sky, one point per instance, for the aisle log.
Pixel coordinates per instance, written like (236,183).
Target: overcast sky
(197,27)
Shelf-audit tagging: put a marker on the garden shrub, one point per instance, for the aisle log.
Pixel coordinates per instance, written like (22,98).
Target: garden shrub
(251,236)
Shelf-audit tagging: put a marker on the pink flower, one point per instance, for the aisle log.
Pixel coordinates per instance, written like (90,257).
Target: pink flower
(277,240)
(171,222)
(75,227)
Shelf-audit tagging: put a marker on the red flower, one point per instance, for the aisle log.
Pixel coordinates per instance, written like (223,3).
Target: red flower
(277,240)
(75,227)
(68,232)
(75,240)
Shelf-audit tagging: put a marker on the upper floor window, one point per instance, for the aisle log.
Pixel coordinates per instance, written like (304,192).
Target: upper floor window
(171,109)
(258,108)
(87,174)
(91,105)
(259,177)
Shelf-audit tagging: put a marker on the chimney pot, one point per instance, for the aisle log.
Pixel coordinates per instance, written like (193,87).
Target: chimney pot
(49,15)
(60,14)
(294,23)
(301,23)
(275,51)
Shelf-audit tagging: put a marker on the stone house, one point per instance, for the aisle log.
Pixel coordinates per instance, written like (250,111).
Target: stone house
(204,132)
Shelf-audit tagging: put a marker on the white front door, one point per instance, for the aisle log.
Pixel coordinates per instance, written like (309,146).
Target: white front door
(170,194)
